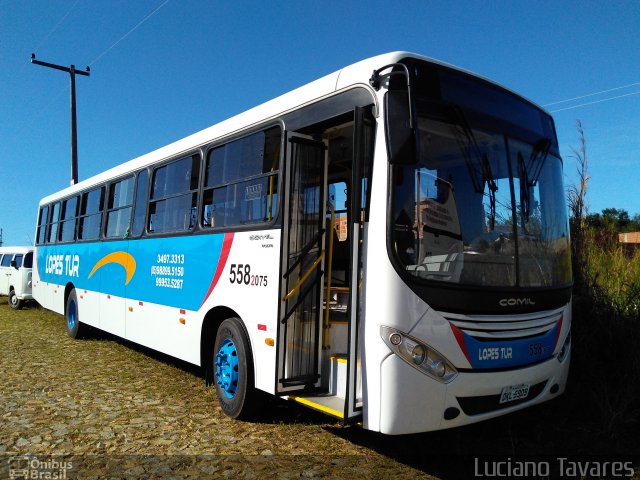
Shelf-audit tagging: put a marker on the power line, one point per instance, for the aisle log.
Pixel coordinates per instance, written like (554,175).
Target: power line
(129,32)
(592,94)
(52,100)
(594,102)
(56,26)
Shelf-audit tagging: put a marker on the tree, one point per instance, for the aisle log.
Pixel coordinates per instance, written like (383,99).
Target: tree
(613,220)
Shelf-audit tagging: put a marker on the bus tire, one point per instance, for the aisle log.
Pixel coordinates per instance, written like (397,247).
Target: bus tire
(75,329)
(233,370)
(14,301)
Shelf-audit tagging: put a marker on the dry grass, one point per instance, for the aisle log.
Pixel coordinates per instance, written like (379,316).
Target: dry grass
(114,407)
(103,401)
(606,362)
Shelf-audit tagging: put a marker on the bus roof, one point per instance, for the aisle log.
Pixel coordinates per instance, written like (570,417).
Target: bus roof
(4,250)
(353,75)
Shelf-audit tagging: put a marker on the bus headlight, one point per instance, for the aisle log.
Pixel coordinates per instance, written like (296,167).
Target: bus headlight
(419,355)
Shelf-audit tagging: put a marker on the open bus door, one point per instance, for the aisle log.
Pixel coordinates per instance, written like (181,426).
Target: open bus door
(359,214)
(319,348)
(302,254)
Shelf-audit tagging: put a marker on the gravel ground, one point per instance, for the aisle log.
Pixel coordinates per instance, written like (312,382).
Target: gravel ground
(114,410)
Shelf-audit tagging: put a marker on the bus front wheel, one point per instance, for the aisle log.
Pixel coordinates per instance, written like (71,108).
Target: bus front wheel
(233,370)
(75,329)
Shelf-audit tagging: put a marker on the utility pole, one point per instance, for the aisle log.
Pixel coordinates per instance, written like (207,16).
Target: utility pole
(0,237)
(71,70)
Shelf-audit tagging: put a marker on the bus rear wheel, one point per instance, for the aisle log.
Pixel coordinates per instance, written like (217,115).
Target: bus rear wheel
(14,301)
(232,367)
(75,329)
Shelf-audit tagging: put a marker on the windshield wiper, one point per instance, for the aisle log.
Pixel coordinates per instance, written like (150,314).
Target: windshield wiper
(538,156)
(525,190)
(487,178)
(540,150)
(486,175)
(471,146)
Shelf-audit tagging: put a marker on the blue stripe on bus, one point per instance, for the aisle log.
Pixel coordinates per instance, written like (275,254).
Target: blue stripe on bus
(172,271)
(509,353)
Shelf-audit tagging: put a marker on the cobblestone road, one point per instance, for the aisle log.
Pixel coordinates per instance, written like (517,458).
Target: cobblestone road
(112,409)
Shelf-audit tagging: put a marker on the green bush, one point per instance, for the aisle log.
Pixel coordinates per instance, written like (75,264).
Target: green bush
(605,379)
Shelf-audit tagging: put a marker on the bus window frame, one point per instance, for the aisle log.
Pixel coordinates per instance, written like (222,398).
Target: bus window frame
(41,225)
(106,210)
(74,218)
(144,203)
(51,222)
(275,221)
(153,169)
(103,187)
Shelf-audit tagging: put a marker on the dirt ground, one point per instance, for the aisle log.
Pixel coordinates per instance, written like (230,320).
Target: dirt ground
(115,410)
(105,408)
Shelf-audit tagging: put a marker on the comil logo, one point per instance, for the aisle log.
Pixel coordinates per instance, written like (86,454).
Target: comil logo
(515,302)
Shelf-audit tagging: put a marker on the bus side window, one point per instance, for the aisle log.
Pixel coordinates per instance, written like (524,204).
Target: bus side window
(91,214)
(68,220)
(174,196)
(42,225)
(119,205)
(241,181)
(140,205)
(53,223)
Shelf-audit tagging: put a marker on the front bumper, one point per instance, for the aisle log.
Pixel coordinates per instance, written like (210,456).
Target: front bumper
(412,402)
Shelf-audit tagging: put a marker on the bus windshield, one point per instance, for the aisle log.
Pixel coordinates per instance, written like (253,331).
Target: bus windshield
(480,207)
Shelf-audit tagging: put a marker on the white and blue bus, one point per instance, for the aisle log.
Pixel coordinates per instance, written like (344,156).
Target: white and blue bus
(388,244)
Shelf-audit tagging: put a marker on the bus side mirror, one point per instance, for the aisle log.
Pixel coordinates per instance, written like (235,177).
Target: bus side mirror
(14,264)
(401,143)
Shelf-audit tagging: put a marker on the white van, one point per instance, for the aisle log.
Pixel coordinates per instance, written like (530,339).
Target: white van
(15,274)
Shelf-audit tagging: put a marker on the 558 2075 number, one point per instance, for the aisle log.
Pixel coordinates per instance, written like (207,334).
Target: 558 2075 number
(240,274)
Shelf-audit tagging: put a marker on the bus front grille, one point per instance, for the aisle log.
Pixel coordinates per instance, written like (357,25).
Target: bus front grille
(505,327)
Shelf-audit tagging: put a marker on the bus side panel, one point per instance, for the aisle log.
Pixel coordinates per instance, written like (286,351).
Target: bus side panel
(49,284)
(247,282)
(88,307)
(167,329)
(169,284)
(173,271)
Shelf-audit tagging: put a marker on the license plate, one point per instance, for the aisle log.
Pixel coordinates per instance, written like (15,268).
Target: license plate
(514,392)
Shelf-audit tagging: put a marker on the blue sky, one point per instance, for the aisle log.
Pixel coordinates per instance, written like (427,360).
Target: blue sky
(193,63)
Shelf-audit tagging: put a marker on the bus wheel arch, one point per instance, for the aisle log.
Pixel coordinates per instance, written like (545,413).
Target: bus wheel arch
(227,359)
(75,329)
(67,291)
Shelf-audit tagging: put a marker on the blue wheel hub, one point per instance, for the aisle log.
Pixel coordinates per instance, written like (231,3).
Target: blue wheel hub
(226,364)
(72,314)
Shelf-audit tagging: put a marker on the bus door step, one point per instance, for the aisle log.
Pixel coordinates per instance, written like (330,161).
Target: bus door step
(301,380)
(330,404)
